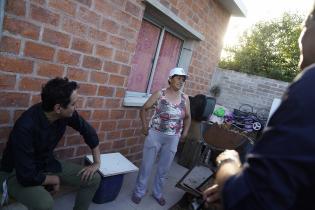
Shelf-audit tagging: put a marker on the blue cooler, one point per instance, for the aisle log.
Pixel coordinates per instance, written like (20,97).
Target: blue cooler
(109,189)
(112,170)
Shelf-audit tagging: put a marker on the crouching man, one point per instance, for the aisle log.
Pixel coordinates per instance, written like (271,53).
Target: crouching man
(28,162)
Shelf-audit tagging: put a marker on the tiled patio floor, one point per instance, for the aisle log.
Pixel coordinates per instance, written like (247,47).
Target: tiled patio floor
(123,202)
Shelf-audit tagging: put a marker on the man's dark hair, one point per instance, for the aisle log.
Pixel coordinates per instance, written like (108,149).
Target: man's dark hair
(57,91)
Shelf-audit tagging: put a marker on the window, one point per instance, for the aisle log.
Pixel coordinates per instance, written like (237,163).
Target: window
(157,51)
(164,41)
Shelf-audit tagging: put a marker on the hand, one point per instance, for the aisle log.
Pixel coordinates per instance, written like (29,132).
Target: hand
(52,183)
(183,137)
(229,154)
(212,194)
(145,131)
(88,171)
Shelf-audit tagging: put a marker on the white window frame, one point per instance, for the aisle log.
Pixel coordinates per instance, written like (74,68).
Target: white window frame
(185,33)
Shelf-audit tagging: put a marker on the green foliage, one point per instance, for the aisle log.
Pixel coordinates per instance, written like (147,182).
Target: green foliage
(269,49)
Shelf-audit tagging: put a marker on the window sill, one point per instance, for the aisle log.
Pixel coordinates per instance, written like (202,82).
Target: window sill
(135,99)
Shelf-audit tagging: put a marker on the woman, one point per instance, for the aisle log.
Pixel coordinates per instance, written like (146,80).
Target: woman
(169,124)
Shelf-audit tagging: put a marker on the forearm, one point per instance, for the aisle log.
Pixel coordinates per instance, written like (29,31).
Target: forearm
(96,155)
(143,117)
(187,122)
(225,171)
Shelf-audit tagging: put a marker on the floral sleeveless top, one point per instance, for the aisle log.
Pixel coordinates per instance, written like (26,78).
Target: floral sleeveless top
(168,117)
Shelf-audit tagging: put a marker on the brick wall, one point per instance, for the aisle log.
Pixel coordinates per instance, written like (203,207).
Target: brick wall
(239,88)
(92,42)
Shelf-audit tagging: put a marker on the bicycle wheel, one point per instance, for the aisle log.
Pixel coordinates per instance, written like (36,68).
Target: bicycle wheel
(246,108)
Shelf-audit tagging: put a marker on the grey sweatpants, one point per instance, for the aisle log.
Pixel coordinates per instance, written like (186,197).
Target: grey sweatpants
(167,146)
(37,198)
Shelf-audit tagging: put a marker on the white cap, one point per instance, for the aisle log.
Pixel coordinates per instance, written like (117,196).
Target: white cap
(177,71)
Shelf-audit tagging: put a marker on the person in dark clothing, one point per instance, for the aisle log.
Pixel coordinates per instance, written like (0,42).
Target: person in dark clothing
(279,172)
(28,163)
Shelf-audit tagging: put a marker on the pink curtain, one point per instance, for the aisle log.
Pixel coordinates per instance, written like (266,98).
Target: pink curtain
(143,59)
(167,60)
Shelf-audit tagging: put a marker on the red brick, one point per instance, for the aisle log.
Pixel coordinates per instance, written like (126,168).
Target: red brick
(123,124)
(63,153)
(14,99)
(95,124)
(136,149)
(104,7)
(50,70)
(133,9)
(122,17)
(16,7)
(85,2)
(4,132)
(93,102)
(85,114)
(89,16)
(111,67)
(4,117)
(56,38)
(83,150)
(118,42)
(125,70)
(65,6)
(39,51)
(43,15)
(87,89)
(119,144)
(127,133)
(66,57)
(121,56)
(97,35)
(105,146)
(100,115)
(120,92)
(7,82)
(29,83)
(132,141)
(17,114)
(112,103)
(135,23)
(128,33)
(108,125)
(104,52)
(74,140)
(22,28)
(117,114)
(112,135)
(77,74)
(106,91)
(10,45)
(110,26)
(116,80)
(119,3)
(82,45)
(12,64)
(98,77)
(36,98)
(74,27)
(92,62)
(39,2)
(132,114)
